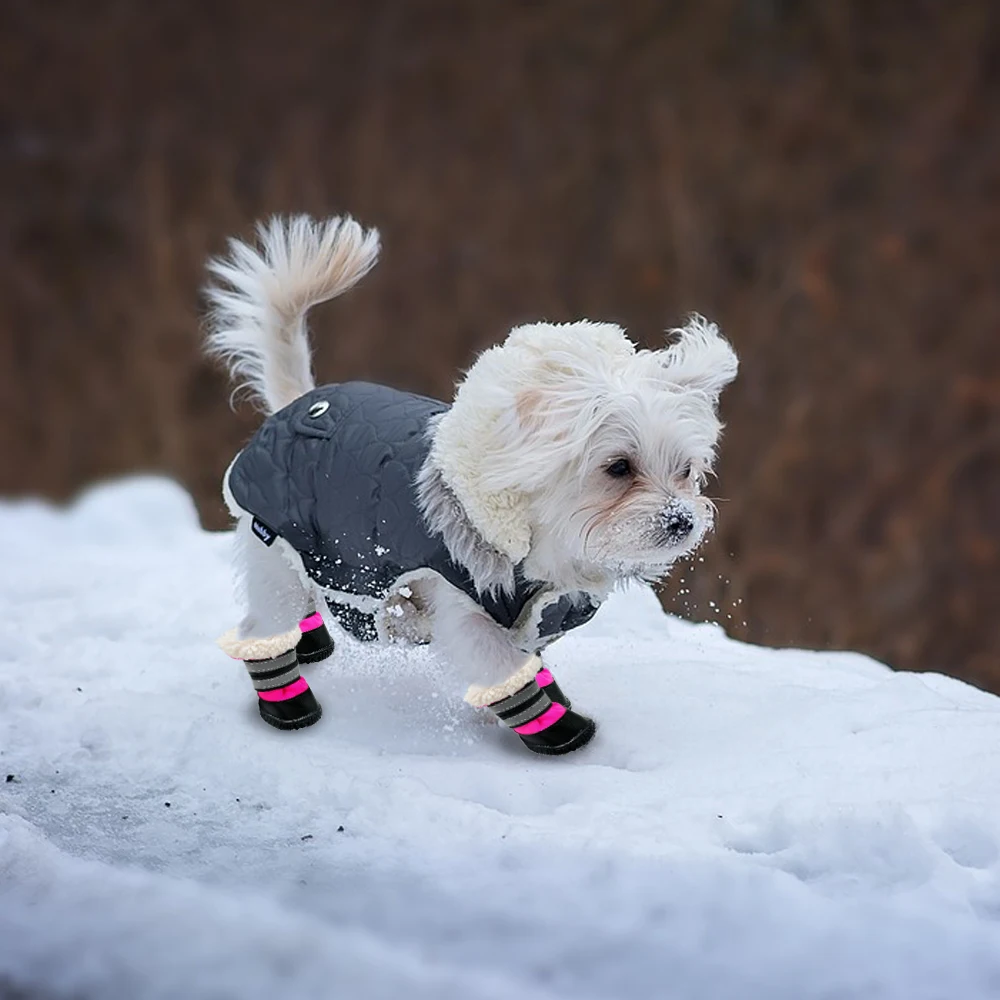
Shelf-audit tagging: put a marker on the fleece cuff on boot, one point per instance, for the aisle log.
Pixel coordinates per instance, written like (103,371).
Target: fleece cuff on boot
(480,697)
(257,648)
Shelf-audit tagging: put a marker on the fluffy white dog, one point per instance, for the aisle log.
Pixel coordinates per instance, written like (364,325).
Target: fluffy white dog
(568,462)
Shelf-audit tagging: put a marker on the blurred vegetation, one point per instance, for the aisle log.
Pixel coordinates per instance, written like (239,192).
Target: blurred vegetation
(821,178)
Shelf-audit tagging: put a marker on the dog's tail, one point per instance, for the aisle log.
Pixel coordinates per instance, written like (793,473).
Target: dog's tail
(260,297)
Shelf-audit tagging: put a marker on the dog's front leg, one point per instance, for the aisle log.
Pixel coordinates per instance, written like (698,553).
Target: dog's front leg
(511,683)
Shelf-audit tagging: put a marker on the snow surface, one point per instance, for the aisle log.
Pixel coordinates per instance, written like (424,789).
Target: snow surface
(748,823)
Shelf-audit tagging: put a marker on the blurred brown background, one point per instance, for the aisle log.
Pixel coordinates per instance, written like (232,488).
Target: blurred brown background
(821,178)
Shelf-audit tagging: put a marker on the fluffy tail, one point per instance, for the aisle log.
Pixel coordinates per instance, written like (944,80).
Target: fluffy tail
(260,297)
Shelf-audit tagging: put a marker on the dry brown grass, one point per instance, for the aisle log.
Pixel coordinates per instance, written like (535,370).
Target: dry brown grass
(821,178)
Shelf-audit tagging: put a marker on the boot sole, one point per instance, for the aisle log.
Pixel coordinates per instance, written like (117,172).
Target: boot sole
(581,739)
(316,655)
(301,723)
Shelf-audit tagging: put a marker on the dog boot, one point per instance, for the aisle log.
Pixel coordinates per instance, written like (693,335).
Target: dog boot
(545,726)
(548,683)
(316,643)
(284,699)
(524,703)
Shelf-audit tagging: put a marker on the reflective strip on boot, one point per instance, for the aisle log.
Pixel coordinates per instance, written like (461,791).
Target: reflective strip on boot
(278,672)
(529,708)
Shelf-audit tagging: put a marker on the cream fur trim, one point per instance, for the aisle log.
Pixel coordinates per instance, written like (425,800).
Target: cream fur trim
(479,697)
(258,649)
(461,440)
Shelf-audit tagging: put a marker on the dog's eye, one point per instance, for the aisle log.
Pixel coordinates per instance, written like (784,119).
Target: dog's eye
(686,471)
(620,468)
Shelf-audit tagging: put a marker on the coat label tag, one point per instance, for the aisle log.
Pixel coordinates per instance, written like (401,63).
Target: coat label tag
(263,532)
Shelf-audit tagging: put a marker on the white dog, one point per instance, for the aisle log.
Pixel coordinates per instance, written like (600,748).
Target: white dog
(569,462)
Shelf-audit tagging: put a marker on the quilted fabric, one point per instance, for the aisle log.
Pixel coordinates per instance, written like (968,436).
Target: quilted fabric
(334,473)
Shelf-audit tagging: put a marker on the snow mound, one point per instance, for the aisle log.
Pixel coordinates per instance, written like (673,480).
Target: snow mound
(748,823)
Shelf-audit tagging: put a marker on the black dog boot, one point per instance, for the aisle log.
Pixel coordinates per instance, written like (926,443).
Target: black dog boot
(316,643)
(284,699)
(544,724)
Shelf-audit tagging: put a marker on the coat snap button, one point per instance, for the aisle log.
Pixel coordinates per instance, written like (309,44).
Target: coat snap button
(318,409)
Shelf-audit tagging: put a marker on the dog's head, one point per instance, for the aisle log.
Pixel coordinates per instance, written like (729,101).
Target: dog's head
(567,447)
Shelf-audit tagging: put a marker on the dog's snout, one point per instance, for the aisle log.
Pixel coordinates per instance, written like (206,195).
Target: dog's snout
(676,523)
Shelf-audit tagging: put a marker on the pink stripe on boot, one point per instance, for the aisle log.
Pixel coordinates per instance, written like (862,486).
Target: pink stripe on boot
(288,691)
(315,620)
(549,717)
(543,678)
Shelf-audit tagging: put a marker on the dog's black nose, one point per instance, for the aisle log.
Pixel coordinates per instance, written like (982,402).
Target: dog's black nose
(676,523)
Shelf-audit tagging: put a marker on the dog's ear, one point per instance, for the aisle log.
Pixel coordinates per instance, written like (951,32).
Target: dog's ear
(700,359)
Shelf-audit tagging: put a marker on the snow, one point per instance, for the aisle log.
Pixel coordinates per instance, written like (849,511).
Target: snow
(748,823)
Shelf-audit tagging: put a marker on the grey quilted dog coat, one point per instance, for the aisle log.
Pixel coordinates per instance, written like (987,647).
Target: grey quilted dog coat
(334,475)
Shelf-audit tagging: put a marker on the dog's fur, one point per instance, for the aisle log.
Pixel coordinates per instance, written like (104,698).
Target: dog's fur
(518,470)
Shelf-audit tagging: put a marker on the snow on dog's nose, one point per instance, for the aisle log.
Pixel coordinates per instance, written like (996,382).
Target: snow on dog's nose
(676,522)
